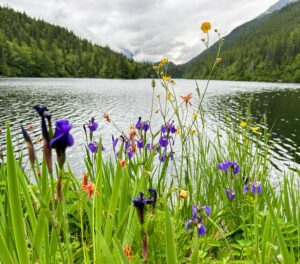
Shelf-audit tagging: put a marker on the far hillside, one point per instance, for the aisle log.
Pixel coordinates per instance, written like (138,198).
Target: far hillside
(34,48)
(264,49)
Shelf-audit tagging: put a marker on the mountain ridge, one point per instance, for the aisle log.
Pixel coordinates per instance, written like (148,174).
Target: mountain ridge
(264,49)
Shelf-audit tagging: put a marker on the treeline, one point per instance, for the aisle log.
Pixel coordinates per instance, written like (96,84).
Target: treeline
(33,48)
(264,49)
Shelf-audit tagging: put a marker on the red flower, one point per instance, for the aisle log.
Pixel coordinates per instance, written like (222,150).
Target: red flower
(128,252)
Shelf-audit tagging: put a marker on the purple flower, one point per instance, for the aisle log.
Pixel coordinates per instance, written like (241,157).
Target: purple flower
(92,125)
(169,127)
(225,165)
(93,147)
(256,187)
(201,229)
(138,124)
(130,155)
(207,210)
(163,157)
(140,203)
(146,126)
(140,144)
(114,141)
(61,140)
(230,194)
(149,146)
(196,220)
(163,141)
(246,188)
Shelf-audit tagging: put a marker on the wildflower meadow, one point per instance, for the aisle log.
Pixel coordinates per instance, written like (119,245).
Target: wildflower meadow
(167,195)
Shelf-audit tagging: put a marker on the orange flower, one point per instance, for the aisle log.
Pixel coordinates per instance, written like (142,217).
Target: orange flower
(132,147)
(90,188)
(123,163)
(187,99)
(107,117)
(85,179)
(128,252)
(205,27)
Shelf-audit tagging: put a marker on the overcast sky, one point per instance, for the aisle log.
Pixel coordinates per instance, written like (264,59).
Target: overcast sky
(150,29)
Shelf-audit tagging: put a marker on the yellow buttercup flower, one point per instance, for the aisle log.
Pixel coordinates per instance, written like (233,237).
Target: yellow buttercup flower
(164,60)
(177,131)
(255,129)
(166,78)
(169,96)
(183,194)
(243,124)
(194,115)
(205,27)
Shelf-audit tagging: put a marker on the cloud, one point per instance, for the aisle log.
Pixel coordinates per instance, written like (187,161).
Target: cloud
(148,29)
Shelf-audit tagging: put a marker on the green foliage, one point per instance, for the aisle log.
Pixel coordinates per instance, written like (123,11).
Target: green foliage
(264,49)
(33,48)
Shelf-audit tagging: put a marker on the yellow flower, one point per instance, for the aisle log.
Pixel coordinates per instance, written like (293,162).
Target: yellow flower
(169,96)
(255,129)
(166,78)
(205,27)
(194,115)
(160,65)
(193,132)
(164,60)
(177,131)
(155,67)
(243,124)
(183,194)
(158,95)
(218,60)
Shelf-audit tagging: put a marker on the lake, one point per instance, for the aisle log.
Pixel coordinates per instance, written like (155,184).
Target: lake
(125,100)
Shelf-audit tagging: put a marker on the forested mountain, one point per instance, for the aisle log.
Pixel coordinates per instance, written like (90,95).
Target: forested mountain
(32,47)
(264,49)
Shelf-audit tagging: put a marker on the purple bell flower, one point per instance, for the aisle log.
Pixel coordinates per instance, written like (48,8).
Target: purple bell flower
(61,140)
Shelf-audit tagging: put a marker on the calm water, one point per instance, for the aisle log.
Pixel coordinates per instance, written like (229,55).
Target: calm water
(126,100)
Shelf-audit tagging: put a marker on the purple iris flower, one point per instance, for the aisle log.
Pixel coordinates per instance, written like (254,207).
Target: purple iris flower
(201,228)
(197,220)
(246,188)
(169,127)
(61,140)
(163,157)
(256,187)
(92,125)
(149,146)
(140,203)
(93,147)
(130,155)
(163,141)
(225,165)
(230,194)
(140,144)
(207,210)
(146,126)
(138,124)
(114,141)
(127,144)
